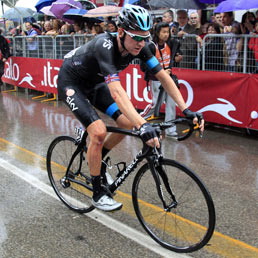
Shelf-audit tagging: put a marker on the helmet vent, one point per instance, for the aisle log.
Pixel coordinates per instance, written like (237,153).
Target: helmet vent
(141,22)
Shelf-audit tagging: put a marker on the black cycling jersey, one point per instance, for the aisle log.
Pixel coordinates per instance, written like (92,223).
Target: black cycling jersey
(99,60)
(86,71)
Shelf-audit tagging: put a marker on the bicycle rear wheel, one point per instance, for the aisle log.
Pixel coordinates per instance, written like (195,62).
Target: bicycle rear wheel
(188,224)
(74,188)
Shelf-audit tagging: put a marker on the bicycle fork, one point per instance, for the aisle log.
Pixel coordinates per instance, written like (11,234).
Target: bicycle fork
(159,175)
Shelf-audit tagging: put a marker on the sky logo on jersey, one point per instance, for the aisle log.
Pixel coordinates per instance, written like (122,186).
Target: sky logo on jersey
(112,78)
(107,43)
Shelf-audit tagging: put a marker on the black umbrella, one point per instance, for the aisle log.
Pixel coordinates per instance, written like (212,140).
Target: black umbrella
(176,4)
(86,4)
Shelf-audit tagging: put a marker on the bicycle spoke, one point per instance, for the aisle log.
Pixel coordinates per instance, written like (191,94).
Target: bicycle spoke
(189,224)
(71,188)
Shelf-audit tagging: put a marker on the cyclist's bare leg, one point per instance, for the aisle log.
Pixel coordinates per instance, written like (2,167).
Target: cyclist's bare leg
(113,139)
(97,133)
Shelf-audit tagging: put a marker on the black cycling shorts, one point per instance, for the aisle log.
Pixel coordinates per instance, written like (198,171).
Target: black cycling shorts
(82,101)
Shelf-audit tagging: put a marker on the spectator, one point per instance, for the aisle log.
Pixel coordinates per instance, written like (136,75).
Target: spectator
(173,30)
(32,43)
(56,26)
(247,23)
(227,19)
(47,27)
(111,26)
(188,44)
(97,29)
(253,45)
(167,51)
(64,44)
(195,22)
(4,54)
(214,49)
(155,21)
(37,28)
(233,46)
(66,29)
(247,28)
(204,29)
(78,28)
(218,20)
(168,17)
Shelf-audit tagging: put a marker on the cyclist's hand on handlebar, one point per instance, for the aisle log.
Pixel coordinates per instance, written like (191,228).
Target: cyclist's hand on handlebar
(149,135)
(197,118)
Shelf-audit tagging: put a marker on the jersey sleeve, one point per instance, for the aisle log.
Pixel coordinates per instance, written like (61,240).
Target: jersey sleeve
(104,50)
(147,56)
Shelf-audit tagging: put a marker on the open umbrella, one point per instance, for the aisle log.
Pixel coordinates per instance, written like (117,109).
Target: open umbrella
(38,16)
(15,14)
(103,11)
(46,11)
(235,5)
(87,5)
(42,3)
(77,15)
(59,7)
(177,4)
(211,1)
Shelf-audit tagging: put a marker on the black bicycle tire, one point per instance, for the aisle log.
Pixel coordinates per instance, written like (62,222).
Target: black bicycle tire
(51,178)
(207,197)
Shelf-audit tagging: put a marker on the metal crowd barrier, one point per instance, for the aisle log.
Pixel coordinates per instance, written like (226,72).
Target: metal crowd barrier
(218,52)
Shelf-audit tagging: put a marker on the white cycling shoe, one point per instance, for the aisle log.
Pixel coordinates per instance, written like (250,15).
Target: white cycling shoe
(106,203)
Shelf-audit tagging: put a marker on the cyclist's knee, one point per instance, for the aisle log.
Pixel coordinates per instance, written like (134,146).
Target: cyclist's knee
(123,122)
(97,132)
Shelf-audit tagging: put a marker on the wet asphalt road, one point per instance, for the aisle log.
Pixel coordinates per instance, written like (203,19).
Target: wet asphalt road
(33,223)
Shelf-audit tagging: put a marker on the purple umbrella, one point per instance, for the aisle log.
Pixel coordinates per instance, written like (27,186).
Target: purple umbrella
(46,11)
(235,5)
(211,1)
(59,7)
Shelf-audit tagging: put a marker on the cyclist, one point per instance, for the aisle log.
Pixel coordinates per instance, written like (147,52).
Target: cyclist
(89,78)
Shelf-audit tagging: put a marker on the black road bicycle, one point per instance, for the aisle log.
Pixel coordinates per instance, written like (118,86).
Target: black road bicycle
(171,202)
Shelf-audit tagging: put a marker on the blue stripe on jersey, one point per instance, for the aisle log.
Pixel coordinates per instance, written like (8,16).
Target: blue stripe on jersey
(112,109)
(151,63)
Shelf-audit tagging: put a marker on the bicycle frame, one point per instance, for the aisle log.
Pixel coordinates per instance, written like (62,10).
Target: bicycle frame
(152,155)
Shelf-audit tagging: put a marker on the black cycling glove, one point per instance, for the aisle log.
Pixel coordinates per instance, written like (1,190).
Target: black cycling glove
(147,132)
(191,115)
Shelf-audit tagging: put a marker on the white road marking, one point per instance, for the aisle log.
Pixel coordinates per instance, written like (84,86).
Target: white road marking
(101,217)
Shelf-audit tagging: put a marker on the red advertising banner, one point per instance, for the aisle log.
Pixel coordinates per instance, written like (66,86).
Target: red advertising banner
(33,73)
(223,97)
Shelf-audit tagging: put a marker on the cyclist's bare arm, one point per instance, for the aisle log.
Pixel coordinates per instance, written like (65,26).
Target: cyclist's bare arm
(172,90)
(127,108)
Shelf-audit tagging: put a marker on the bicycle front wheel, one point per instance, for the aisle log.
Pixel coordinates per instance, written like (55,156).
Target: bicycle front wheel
(73,188)
(185,223)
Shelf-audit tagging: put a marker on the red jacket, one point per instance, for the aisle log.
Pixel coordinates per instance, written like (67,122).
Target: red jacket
(253,44)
